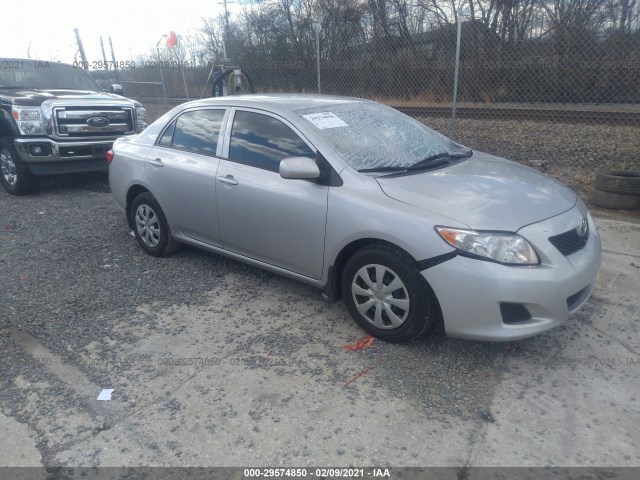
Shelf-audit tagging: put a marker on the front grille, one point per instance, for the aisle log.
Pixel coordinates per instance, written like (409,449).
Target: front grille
(570,242)
(83,122)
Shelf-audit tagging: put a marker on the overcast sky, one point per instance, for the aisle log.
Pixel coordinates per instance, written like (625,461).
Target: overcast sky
(135,26)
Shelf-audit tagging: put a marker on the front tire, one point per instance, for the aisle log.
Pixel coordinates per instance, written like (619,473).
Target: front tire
(386,295)
(150,226)
(15,176)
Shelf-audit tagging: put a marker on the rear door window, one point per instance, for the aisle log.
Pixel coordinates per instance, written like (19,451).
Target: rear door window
(198,131)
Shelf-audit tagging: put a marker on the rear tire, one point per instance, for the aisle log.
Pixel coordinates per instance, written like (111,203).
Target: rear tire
(15,176)
(150,226)
(398,307)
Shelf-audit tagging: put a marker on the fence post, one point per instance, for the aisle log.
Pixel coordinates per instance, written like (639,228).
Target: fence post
(184,80)
(452,128)
(318,54)
(164,90)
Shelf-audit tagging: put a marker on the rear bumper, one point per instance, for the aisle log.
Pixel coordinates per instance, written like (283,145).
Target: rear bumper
(471,291)
(63,157)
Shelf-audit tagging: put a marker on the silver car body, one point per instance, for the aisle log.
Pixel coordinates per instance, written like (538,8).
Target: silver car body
(299,228)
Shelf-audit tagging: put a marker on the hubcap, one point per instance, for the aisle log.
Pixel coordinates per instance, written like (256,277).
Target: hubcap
(148,225)
(8,167)
(380,296)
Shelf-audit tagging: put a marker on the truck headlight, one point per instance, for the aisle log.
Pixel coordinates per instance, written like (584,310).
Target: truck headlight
(29,120)
(143,120)
(501,247)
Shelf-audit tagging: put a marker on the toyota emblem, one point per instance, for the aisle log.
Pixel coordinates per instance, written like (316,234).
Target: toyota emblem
(583,229)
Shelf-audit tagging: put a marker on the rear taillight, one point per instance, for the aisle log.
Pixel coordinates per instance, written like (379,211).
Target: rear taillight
(109,156)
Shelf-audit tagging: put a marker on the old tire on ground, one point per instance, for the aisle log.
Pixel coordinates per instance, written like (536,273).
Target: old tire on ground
(618,181)
(150,226)
(614,201)
(386,295)
(15,176)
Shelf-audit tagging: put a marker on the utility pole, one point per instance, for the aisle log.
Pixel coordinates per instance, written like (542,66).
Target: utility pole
(225,36)
(85,64)
(113,57)
(104,56)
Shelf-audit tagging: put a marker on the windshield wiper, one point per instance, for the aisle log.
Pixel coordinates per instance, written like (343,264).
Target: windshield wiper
(429,162)
(383,169)
(438,159)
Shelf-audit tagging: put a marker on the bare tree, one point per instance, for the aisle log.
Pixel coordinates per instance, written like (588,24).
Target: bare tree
(574,14)
(209,40)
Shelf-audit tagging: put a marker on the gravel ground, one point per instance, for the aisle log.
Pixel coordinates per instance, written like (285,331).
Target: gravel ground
(72,274)
(67,257)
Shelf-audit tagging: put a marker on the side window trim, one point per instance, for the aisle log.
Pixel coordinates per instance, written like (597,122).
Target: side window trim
(171,124)
(220,143)
(229,128)
(223,133)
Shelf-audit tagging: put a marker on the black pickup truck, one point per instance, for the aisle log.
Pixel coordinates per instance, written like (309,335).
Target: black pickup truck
(54,118)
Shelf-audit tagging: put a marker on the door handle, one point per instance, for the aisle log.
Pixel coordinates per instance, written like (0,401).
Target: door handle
(229,180)
(157,162)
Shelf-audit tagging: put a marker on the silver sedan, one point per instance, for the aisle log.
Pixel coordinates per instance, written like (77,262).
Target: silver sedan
(371,206)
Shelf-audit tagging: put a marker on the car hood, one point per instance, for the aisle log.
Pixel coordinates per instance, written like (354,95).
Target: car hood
(484,192)
(35,97)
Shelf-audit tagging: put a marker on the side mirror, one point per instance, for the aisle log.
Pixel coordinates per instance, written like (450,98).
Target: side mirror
(299,168)
(116,88)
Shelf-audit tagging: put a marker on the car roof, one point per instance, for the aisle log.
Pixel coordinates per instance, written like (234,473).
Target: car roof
(277,102)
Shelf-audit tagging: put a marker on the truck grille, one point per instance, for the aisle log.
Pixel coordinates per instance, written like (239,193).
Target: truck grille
(570,242)
(83,122)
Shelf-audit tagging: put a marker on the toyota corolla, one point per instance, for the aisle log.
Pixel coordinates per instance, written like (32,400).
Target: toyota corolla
(406,226)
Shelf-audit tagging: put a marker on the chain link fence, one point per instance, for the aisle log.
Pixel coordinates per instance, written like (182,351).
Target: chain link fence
(559,95)
(581,76)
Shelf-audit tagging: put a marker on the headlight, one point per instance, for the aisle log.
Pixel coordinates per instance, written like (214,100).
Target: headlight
(143,121)
(502,247)
(29,120)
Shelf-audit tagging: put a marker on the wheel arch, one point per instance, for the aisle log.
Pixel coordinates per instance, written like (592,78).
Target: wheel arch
(132,193)
(8,127)
(332,288)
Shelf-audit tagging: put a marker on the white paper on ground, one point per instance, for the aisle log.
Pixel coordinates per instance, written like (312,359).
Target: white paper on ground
(324,120)
(105,394)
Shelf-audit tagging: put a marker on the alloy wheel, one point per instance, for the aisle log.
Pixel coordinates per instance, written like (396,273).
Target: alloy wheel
(8,167)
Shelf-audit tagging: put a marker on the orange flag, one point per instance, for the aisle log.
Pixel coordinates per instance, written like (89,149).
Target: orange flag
(172,40)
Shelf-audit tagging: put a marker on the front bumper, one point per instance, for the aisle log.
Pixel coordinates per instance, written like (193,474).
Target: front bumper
(471,291)
(63,157)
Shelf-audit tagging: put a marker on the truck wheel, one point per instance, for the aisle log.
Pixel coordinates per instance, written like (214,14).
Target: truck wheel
(15,176)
